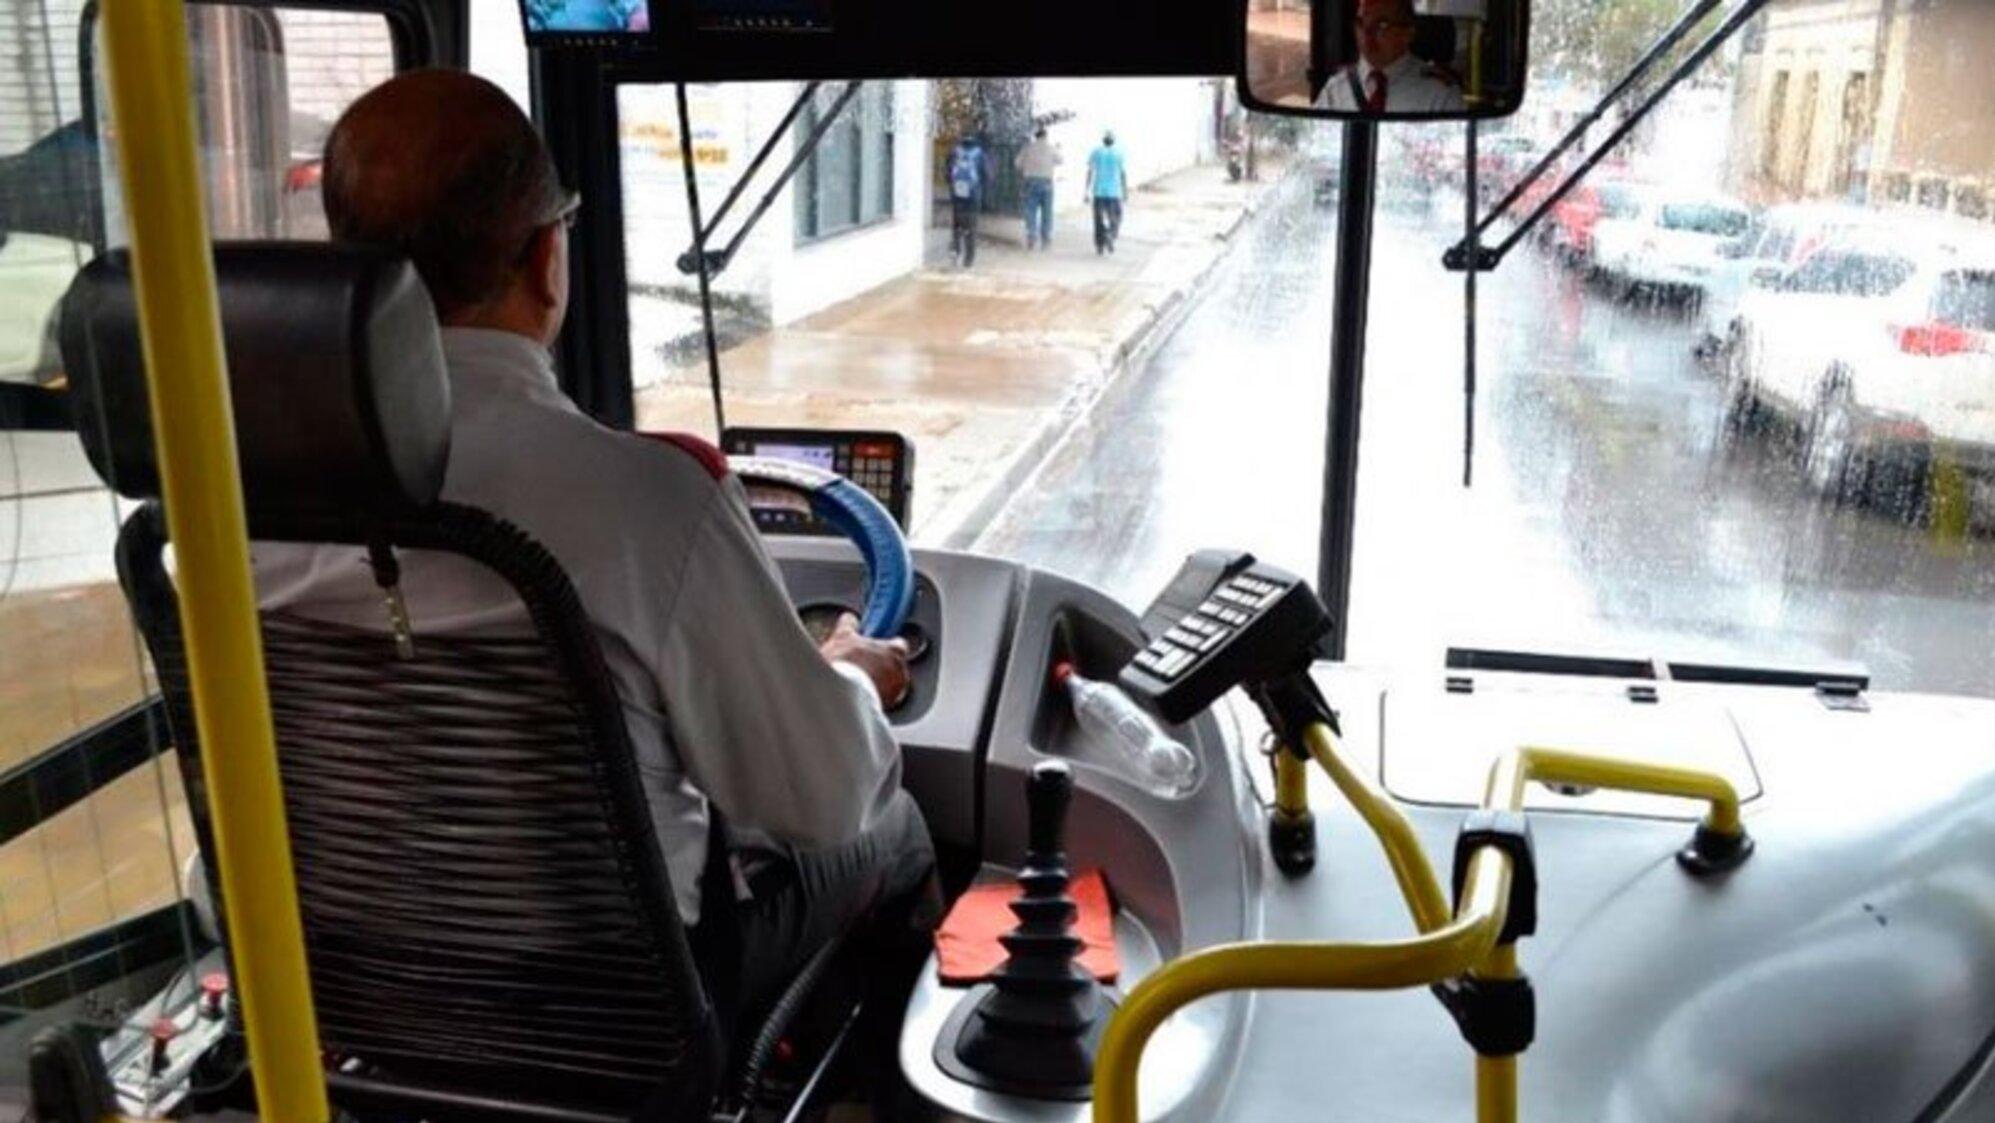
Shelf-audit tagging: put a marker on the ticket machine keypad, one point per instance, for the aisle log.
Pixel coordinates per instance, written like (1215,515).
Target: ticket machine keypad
(1251,623)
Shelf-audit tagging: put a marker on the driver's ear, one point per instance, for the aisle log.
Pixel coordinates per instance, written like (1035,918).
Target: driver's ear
(547,267)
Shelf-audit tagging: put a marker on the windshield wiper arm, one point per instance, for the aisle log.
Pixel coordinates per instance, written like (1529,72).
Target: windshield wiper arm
(718,259)
(1653,55)
(1487,257)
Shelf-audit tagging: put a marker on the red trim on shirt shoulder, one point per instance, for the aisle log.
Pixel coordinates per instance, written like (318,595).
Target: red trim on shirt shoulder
(710,458)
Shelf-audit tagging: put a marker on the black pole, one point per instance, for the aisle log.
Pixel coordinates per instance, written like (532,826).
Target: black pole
(1473,236)
(1347,372)
(1642,66)
(700,258)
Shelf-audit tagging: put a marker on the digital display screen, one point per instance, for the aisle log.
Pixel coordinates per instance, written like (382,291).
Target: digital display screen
(816,456)
(586,19)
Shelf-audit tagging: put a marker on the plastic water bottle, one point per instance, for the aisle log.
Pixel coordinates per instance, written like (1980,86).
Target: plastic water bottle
(1107,715)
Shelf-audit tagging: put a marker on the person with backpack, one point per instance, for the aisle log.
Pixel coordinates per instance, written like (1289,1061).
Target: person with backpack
(1108,185)
(969,171)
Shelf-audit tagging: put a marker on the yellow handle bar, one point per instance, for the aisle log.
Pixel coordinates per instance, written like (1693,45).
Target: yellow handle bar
(1446,949)
(145,57)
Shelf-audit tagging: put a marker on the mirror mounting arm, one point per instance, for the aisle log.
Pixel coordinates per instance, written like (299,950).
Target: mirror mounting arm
(1456,259)
(1456,256)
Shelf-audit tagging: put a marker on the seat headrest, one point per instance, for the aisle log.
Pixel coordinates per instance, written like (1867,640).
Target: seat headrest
(1434,40)
(336,374)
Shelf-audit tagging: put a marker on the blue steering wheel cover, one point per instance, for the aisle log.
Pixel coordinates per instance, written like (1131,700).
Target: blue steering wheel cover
(889,567)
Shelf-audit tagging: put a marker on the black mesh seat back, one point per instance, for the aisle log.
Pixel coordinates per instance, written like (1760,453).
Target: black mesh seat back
(484,901)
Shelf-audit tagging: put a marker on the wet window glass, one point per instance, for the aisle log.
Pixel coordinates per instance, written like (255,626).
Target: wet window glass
(1966,300)
(1705,220)
(941,269)
(1837,273)
(1775,460)
(268,85)
(1670,455)
(1618,202)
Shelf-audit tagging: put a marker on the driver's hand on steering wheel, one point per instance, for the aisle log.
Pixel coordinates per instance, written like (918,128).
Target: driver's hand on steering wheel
(884,661)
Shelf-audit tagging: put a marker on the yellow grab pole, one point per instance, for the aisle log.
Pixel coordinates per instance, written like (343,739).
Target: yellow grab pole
(1291,783)
(145,57)
(1395,835)
(1556,766)
(1443,953)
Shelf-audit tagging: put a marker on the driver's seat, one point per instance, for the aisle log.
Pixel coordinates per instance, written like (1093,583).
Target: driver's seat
(488,918)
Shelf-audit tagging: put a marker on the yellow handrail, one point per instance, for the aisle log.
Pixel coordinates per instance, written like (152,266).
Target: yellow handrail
(1443,953)
(1395,835)
(1465,945)
(1514,769)
(145,63)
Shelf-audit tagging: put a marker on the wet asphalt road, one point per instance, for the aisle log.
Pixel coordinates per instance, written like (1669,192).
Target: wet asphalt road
(1607,513)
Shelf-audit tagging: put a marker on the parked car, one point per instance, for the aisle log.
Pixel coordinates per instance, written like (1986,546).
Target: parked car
(1879,351)
(1781,238)
(35,270)
(1669,243)
(1569,228)
(1501,161)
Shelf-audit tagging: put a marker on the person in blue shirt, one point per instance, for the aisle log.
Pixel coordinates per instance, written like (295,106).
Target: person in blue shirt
(1108,186)
(968,172)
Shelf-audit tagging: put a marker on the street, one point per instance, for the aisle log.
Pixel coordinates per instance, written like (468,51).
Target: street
(1607,515)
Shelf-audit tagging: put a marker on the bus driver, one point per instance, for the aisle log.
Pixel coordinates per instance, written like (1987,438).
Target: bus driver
(1386,77)
(728,703)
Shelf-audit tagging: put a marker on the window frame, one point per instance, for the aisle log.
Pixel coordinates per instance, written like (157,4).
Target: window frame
(71,770)
(884,109)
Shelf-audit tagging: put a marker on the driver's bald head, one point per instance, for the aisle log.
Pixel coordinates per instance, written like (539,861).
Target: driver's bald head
(442,166)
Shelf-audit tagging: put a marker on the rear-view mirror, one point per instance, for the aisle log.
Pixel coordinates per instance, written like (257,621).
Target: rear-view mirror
(1385,60)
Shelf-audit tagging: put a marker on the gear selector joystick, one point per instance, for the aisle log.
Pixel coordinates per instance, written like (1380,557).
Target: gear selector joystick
(1032,1030)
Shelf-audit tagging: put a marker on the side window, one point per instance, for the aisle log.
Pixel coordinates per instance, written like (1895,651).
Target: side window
(268,83)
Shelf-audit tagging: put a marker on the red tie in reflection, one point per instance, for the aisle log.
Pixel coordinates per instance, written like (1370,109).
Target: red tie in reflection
(1375,98)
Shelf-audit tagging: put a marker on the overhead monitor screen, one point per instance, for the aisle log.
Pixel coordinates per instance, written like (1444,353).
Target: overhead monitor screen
(558,22)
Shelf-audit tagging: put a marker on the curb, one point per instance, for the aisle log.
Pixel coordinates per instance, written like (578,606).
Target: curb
(1131,353)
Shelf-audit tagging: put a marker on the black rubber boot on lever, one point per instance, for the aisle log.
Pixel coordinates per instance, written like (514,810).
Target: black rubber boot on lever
(1033,1029)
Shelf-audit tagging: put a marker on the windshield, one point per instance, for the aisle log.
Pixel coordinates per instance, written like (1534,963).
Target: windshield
(1834,272)
(1966,300)
(1617,201)
(1695,219)
(1110,354)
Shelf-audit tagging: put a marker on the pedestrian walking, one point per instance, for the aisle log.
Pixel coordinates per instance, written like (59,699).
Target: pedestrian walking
(969,172)
(1036,162)
(1108,187)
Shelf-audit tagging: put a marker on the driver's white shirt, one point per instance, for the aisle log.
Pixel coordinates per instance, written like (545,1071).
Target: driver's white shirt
(1410,87)
(725,696)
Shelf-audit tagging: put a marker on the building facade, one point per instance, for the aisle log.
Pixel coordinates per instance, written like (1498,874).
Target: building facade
(1868,100)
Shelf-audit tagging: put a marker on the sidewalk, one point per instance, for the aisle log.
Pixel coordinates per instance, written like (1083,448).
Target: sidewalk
(983,368)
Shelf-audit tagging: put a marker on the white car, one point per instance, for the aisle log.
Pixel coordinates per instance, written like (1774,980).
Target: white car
(35,270)
(1782,238)
(1671,242)
(1879,349)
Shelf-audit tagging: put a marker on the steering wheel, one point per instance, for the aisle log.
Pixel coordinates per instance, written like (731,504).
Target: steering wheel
(854,511)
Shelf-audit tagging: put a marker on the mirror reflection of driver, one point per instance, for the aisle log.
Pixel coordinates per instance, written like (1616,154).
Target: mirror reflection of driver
(728,704)
(1386,77)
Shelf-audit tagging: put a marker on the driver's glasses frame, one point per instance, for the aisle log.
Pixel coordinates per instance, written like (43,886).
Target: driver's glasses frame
(566,215)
